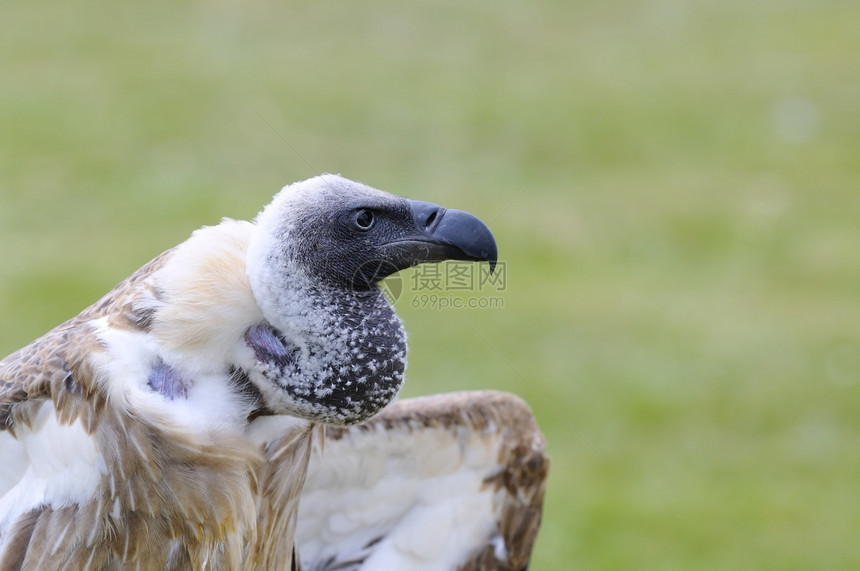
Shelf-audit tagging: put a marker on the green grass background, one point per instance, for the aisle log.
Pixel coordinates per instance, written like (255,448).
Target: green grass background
(674,186)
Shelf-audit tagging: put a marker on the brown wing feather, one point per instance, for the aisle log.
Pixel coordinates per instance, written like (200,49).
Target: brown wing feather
(57,366)
(281,477)
(20,532)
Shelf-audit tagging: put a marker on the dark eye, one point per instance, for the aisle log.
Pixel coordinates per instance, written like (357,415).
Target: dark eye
(364,219)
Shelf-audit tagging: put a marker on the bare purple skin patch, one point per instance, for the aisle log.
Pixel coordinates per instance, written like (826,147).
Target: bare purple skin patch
(166,381)
(268,346)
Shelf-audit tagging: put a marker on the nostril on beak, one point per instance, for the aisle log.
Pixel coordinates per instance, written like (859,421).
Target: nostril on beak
(427,216)
(433,219)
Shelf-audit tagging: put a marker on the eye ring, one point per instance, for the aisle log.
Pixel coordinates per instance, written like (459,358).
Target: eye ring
(363,219)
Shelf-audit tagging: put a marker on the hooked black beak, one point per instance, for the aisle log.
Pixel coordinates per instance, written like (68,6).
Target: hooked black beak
(455,235)
(440,234)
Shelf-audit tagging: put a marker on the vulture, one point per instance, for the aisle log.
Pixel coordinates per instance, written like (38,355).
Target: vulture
(231,405)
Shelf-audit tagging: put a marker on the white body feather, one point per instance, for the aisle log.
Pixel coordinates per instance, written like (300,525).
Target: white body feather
(418,497)
(48,464)
(417,487)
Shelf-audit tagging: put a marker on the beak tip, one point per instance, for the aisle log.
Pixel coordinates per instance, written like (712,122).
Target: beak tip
(492,258)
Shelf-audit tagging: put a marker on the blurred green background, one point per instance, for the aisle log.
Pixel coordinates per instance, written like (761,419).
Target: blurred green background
(674,185)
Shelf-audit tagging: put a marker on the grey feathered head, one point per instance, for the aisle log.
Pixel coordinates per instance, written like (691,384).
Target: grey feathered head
(332,343)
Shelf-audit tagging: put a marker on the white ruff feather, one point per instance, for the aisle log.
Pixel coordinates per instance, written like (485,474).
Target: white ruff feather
(210,403)
(207,299)
(202,304)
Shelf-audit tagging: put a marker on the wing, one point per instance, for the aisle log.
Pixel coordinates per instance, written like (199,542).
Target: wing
(101,468)
(48,410)
(55,371)
(51,407)
(86,483)
(452,481)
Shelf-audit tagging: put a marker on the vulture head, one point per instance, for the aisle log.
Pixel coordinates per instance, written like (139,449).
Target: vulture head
(330,348)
